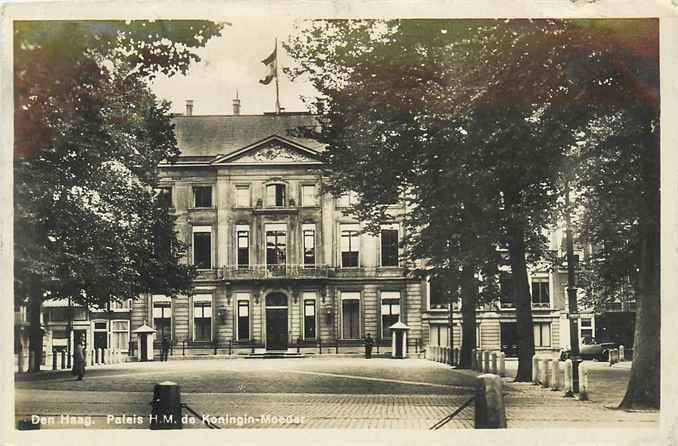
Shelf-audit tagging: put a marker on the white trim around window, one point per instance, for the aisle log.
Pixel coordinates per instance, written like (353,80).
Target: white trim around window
(202,230)
(351,296)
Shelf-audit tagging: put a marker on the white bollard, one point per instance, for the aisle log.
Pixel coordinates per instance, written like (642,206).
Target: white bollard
(555,374)
(567,380)
(583,383)
(545,369)
(486,361)
(493,357)
(535,369)
(502,364)
(621,353)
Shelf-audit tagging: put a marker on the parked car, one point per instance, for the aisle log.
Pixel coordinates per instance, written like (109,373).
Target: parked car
(589,348)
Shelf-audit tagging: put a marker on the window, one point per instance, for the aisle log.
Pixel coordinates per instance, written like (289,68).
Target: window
(120,306)
(242,197)
(243,243)
(120,335)
(309,316)
(243,316)
(347,199)
(389,247)
(542,334)
(438,335)
(276,244)
(165,197)
(58,314)
(202,196)
(202,247)
(390,311)
(506,289)
(162,316)
(350,315)
(202,317)
(308,197)
(275,195)
(309,244)
(540,292)
(350,246)
(585,328)
(437,294)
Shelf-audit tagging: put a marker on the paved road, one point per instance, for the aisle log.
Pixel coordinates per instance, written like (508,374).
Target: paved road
(308,393)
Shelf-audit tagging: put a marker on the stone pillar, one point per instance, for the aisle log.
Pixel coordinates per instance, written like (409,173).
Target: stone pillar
(493,356)
(544,369)
(535,369)
(490,412)
(555,374)
(567,380)
(486,361)
(621,353)
(502,364)
(474,360)
(583,383)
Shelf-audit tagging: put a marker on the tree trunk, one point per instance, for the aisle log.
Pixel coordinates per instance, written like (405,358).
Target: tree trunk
(468,316)
(522,302)
(35,332)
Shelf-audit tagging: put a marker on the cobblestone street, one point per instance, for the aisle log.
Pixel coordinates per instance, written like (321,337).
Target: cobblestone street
(308,393)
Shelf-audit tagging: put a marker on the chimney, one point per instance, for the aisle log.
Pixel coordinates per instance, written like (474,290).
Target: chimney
(236,104)
(189,107)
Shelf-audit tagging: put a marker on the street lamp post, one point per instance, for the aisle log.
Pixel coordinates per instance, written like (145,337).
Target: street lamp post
(573,315)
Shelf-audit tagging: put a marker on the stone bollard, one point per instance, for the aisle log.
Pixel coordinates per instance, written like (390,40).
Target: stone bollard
(480,360)
(555,374)
(493,357)
(535,369)
(610,357)
(474,360)
(567,380)
(545,369)
(107,355)
(583,383)
(490,412)
(166,406)
(54,360)
(456,356)
(63,359)
(502,364)
(621,353)
(486,361)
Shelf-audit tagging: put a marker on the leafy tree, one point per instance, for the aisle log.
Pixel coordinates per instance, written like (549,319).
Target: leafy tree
(89,135)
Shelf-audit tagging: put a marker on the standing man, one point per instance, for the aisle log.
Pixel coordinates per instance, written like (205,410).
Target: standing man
(369,343)
(79,361)
(164,348)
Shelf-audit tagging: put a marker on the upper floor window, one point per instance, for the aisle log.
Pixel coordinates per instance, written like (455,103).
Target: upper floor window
(309,244)
(243,243)
(506,288)
(437,294)
(350,246)
(276,244)
(308,195)
(242,196)
(165,196)
(347,199)
(389,247)
(202,247)
(120,305)
(275,195)
(202,196)
(540,292)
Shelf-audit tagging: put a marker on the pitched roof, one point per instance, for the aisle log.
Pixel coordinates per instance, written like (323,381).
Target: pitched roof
(213,135)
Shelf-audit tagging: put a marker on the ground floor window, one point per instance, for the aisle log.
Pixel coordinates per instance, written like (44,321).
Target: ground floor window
(162,316)
(438,335)
(120,335)
(350,315)
(542,334)
(390,311)
(202,317)
(243,317)
(585,328)
(309,316)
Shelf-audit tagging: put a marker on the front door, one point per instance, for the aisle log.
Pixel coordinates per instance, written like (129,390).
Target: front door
(143,346)
(100,339)
(276,329)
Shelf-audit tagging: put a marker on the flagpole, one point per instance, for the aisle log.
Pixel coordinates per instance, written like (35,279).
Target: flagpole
(277,89)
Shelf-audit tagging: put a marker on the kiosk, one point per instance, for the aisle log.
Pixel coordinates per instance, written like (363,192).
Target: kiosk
(145,336)
(399,340)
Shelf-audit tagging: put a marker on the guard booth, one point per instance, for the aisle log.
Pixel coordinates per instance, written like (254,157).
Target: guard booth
(399,340)
(145,338)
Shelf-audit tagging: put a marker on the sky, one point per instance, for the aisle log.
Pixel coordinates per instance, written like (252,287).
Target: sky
(233,62)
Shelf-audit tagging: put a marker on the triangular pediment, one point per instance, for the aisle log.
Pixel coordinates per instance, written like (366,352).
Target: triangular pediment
(272,150)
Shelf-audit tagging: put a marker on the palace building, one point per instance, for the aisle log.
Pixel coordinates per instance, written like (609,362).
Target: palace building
(280,263)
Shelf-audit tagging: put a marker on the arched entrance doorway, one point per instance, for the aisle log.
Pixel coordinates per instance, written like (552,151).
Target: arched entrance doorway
(276,321)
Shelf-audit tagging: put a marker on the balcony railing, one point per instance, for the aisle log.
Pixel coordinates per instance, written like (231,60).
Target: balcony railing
(293,271)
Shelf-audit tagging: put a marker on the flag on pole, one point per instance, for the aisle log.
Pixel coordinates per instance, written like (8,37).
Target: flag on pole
(271,63)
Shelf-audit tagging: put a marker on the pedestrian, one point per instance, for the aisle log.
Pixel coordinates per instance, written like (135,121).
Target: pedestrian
(79,361)
(164,348)
(369,343)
